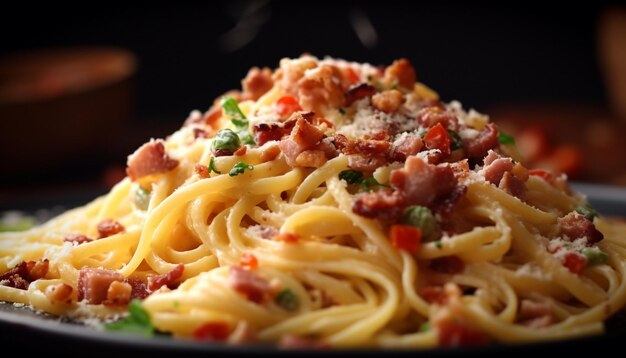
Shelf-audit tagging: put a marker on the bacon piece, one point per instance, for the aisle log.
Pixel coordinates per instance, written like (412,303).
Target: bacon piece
(291,71)
(78,239)
(311,159)
(304,136)
(366,163)
(358,92)
(270,153)
(326,145)
(217,331)
(60,293)
(201,170)
(253,286)
(199,133)
(264,132)
(109,227)
(257,83)
(22,274)
(93,284)
(321,88)
(574,226)
(444,206)
(430,116)
(241,151)
(422,183)
(478,147)
(535,314)
(447,264)
(383,204)
(455,333)
(402,149)
(119,293)
(138,288)
(495,168)
(512,185)
(166,279)
(295,342)
(150,158)
(388,101)
(402,73)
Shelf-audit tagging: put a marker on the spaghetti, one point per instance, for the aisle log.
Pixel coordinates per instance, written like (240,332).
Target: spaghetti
(330,203)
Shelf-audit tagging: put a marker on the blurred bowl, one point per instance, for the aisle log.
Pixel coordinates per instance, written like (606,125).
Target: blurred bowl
(59,106)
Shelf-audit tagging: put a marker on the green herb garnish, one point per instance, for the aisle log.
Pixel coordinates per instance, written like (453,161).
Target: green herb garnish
(239,168)
(595,256)
(287,300)
(455,140)
(425,327)
(504,138)
(212,166)
(420,217)
(351,176)
(369,184)
(587,211)
(17,223)
(138,321)
(233,111)
(439,244)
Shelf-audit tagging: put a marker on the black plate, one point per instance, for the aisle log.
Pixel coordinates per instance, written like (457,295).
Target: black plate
(29,332)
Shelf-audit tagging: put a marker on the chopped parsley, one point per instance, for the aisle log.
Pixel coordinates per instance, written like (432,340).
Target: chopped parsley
(239,168)
(369,184)
(587,211)
(212,166)
(439,244)
(455,140)
(351,176)
(287,300)
(138,321)
(504,138)
(594,256)
(238,119)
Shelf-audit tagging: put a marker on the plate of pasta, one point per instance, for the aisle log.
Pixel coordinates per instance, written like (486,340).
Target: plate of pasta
(327,205)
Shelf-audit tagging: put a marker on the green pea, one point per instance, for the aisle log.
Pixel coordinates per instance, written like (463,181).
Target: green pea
(227,140)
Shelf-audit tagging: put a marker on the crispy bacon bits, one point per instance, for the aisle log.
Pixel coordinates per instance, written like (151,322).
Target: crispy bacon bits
(574,226)
(24,273)
(109,227)
(401,73)
(150,158)
(77,239)
(167,279)
(257,83)
(388,101)
(358,92)
(249,283)
(59,293)
(118,293)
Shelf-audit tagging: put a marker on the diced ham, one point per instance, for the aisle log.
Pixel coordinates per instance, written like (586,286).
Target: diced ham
(366,163)
(60,293)
(24,273)
(402,73)
(304,136)
(409,145)
(257,83)
(574,226)
(383,204)
(139,289)
(93,284)
(78,239)
(535,314)
(150,158)
(512,185)
(295,342)
(494,171)
(434,295)
(326,145)
(422,183)
(167,279)
(430,116)
(358,92)
(478,147)
(249,283)
(119,293)
(109,227)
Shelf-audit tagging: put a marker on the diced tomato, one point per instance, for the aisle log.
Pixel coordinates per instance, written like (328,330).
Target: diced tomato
(212,331)
(287,237)
(352,75)
(547,176)
(249,261)
(452,333)
(286,105)
(575,262)
(405,237)
(434,294)
(438,138)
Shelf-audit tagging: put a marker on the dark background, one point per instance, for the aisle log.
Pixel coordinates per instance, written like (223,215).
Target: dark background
(483,55)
